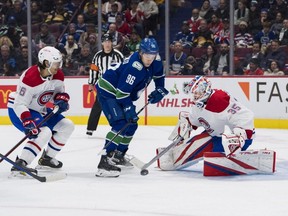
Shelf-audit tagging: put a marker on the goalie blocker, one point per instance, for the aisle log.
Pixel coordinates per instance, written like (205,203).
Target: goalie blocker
(200,147)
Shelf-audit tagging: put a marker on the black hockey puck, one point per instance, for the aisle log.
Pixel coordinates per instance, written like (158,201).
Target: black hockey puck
(144,172)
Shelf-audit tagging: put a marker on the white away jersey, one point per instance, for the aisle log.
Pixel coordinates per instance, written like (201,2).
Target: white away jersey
(222,109)
(34,92)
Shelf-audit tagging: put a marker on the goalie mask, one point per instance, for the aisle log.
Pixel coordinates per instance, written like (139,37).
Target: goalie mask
(200,89)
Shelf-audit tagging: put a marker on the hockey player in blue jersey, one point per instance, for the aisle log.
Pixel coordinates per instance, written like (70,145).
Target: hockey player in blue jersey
(117,89)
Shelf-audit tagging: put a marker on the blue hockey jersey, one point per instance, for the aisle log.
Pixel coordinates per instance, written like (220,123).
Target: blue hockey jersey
(126,81)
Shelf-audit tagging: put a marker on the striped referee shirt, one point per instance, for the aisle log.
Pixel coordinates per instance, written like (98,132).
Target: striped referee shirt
(101,62)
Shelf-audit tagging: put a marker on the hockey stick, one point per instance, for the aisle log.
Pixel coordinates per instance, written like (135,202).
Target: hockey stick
(56,108)
(144,170)
(55,177)
(122,129)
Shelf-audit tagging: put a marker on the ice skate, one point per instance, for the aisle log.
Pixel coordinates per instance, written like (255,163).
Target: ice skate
(120,160)
(106,168)
(16,172)
(89,133)
(46,162)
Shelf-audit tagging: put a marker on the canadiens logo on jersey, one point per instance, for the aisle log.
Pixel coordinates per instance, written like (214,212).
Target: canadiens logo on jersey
(45,97)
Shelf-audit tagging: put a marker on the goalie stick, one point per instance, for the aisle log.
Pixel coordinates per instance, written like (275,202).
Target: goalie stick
(55,177)
(56,108)
(144,170)
(120,131)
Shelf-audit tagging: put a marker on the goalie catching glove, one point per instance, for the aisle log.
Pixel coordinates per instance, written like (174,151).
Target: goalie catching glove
(61,100)
(157,95)
(183,127)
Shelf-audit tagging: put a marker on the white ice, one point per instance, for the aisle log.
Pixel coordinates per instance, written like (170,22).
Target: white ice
(179,193)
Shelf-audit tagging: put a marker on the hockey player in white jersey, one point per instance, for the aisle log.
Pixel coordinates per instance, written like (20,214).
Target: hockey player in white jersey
(214,110)
(38,85)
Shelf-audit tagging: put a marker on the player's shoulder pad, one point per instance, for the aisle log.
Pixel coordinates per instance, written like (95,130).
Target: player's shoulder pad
(218,101)
(32,77)
(59,75)
(137,65)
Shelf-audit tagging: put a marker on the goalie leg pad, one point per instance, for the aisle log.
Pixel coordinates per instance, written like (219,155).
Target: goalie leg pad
(242,163)
(187,153)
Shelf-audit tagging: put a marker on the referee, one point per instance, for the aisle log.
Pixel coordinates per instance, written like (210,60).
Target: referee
(100,63)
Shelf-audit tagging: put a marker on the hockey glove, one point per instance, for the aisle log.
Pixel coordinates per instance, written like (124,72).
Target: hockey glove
(61,100)
(183,127)
(30,128)
(157,95)
(130,114)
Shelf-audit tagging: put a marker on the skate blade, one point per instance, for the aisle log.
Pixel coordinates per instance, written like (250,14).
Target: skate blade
(19,175)
(107,174)
(46,168)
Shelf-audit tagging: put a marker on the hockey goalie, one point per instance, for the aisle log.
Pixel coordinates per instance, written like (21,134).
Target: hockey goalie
(228,132)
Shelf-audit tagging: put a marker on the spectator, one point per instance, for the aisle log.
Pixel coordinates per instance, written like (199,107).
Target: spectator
(256,53)
(6,40)
(94,2)
(223,36)
(80,24)
(255,24)
(22,59)
(107,6)
(265,36)
(37,15)
(135,18)
(254,68)
(278,6)
(71,48)
(223,10)
(84,38)
(133,44)
(274,70)
(150,10)
(70,31)
(82,61)
(91,15)
(191,67)
(12,31)
(185,36)
(92,40)
(18,13)
(243,38)
(206,11)
(274,52)
(44,37)
(283,36)
(122,26)
(277,24)
(110,17)
(59,14)
(118,40)
(216,24)
(204,36)
(7,61)
(222,61)
(241,13)
(209,61)
(24,42)
(214,4)
(194,21)
(177,60)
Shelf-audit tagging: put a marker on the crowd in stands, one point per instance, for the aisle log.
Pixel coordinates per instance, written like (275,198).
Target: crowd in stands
(200,47)
(260,39)
(72,27)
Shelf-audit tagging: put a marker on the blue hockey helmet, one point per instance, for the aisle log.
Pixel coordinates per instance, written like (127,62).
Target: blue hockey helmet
(149,46)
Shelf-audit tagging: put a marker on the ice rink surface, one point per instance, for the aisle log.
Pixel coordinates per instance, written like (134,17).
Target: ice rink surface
(178,193)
